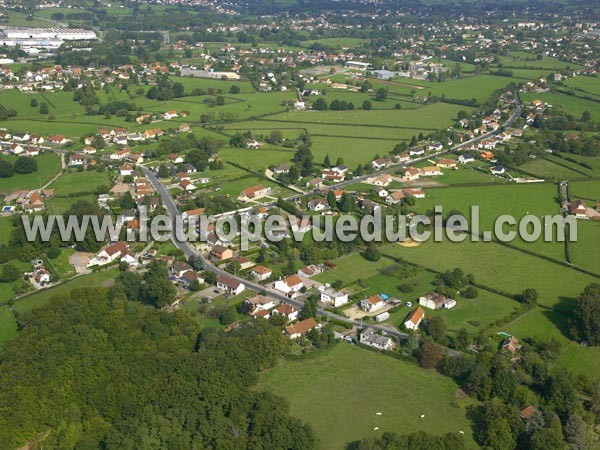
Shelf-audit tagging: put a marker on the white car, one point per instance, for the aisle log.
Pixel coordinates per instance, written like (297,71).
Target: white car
(409,304)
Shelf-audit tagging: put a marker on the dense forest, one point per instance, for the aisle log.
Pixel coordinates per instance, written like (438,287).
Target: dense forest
(92,370)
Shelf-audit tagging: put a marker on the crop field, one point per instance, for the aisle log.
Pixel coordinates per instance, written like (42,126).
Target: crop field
(48,166)
(498,267)
(570,103)
(339,392)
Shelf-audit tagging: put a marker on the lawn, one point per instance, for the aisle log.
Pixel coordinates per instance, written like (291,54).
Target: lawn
(74,182)
(48,165)
(588,190)
(58,205)
(6,228)
(339,393)
(585,251)
(94,279)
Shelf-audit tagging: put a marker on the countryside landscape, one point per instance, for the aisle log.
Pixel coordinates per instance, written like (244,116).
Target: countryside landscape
(138,111)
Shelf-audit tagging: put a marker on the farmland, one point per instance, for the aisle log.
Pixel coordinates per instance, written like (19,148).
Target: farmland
(329,392)
(48,166)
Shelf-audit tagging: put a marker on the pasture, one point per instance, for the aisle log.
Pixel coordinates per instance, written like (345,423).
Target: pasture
(73,182)
(339,392)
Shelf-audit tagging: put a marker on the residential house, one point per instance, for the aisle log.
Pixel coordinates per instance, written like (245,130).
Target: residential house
(76,160)
(498,170)
(394,197)
(371,304)
(290,285)
(333,297)
(431,171)
(379,163)
(126,170)
(435,300)
(414,319)
(174,158)
(254,193)
(298,329)
(221,253)
(446,163)
(579,209)
(179,268)
(416,193)
(318,204)
(290,312)
(108,254)
(411,174)
(261,273)
(371,338)
(511,344)
(466,158)
(230,285)
(309,271)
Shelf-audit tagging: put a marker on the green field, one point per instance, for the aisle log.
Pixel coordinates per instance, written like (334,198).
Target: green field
(570,103)
(498,267)
(588,84)
(546,168)
(74,182)
(339,392)
(48,165)
(94,279)
(547,325)
(8,324)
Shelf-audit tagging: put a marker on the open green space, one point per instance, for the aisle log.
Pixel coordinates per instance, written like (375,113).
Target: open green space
(548,169)
(48,166)
(339,392)
(570,103)
(102,278)
(8,324)
(74,182)
(588,84)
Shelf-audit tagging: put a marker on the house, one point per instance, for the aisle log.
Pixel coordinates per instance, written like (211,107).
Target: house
(433,300)
(76,160)
(332,175)
(192,213)
(511,344)
(382,180)
(315,183)
(281,168)
(466,158)
(414,319)
(184,128)
(57,139)
(318,204)
(254,193)
(446,163)
(108,254)
(88,150)
(498,170)
(129,258)
(418,151)
(579,209)
(120,154)
(259,303)
(243,262)
(527,412)
(416,193)
(289,285)
(379,163)
(126,170)
(290,312)
(373,303)
(230,285)
(261,273)
(309,271)
(221,253)
(431,171)
(381,192)
(486,156)
(300,328)
(394,198)
(187,185)
(42,276)
(16,149)
(179,268)
(371,338)
(333,297)
(411,174)
(170,115)
(175,159)
(33,203)
(189,277)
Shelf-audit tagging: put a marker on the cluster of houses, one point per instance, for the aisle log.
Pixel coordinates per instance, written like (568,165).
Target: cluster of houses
(581,210)
(28,201)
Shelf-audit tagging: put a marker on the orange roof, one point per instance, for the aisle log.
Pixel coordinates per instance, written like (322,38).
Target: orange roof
(416,316)
(302,327)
